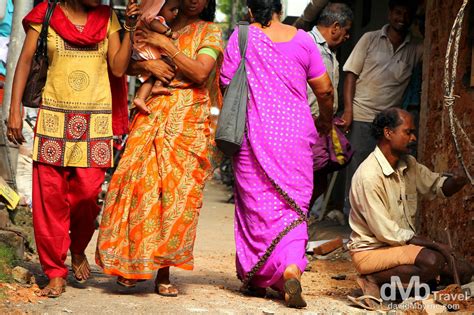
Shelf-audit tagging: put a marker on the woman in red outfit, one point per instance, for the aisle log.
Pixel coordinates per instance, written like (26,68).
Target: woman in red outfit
(73,136)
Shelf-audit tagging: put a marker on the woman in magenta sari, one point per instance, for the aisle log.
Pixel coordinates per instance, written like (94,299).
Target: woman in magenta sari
(274,168)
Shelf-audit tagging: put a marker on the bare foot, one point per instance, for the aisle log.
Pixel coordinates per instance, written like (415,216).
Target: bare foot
(80,267)
(141,106)
(368,287)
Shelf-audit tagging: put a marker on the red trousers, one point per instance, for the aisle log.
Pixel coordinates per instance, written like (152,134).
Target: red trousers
(64,212)
(2,90)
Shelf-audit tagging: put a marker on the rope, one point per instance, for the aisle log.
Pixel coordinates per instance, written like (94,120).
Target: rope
(450,70)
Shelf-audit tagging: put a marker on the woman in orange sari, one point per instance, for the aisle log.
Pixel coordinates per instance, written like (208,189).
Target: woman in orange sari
(154,198)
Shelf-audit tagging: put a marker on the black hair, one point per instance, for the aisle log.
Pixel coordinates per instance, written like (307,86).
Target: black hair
(409,4)
(209,12)
(388,118)
(262,10)
(335,12)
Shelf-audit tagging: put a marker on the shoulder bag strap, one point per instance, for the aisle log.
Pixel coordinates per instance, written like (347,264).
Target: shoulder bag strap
(243,36)
(42,41)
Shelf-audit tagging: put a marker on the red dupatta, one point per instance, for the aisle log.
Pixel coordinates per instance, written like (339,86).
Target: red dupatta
(94,32)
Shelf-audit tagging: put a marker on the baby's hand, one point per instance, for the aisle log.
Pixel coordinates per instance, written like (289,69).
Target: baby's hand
(171,34)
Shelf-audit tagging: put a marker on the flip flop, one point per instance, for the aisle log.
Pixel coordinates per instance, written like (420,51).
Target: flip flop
(293,289)
(79,269)
(128,283)
(164,290)
(368,302)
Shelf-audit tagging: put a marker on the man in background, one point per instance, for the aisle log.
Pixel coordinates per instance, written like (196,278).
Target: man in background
(377,74)
(331,31)
(306,21)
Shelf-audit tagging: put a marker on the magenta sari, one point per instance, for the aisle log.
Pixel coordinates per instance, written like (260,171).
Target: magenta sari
(274,169)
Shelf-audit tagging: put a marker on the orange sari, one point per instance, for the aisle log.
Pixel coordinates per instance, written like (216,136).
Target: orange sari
(155,195)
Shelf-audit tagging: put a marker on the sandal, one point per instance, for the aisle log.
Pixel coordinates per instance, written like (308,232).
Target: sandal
(368,302)
(166,290)
(52,290)
(128,283)
(78,270)
(293,294)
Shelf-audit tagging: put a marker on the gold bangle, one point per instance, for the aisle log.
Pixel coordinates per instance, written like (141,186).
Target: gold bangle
(129,28)
(172,57)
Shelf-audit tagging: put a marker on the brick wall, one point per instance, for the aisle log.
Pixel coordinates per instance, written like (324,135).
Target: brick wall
(436,148)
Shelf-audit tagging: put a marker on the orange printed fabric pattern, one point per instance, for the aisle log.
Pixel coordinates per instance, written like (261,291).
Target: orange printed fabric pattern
(154,198)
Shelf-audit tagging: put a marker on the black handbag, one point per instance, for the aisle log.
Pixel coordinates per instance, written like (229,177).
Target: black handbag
(232,119)
(39,64)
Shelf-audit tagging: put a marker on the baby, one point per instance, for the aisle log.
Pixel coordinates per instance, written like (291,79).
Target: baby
(156,15)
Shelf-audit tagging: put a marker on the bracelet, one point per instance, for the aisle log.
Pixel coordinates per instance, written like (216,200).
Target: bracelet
(172,57)
(129,28)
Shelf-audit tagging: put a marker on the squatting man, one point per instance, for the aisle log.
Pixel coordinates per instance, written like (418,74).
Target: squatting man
(383,196)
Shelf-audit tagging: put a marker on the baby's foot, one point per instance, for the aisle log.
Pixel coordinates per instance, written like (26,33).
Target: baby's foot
(160,90)
(141,106)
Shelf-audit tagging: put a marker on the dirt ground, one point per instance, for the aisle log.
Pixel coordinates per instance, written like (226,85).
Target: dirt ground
(211,288)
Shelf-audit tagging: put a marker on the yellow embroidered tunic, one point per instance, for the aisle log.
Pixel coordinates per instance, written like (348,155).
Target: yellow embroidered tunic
(74,126)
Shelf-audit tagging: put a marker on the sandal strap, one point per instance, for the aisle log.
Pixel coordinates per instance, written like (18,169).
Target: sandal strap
(370,297)
(126,282)
(52,290)
(84,263)
(167,287)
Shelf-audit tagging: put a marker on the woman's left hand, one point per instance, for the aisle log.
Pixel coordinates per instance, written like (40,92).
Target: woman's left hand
(146,36)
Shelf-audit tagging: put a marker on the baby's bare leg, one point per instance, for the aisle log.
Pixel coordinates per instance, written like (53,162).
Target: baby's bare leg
(159,89)
(143,93)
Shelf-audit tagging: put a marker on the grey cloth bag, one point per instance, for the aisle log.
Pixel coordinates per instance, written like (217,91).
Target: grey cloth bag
(231,123)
